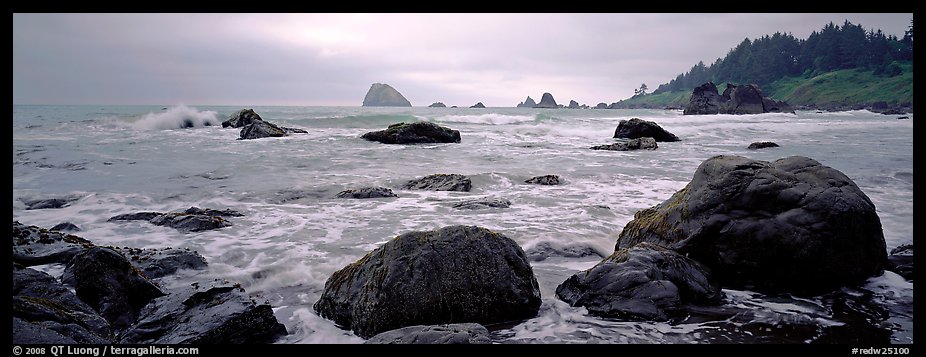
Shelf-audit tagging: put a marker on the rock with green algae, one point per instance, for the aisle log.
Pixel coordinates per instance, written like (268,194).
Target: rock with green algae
(791,225)
(455,274)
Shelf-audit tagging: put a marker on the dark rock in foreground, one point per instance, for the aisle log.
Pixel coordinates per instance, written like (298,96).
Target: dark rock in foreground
(414,133)
(261,129)
(762,145)
(450,275)
(241,118)
(46,203)
(527,103)
(792,225)
(437,105)
(108,282)
(636,128)
(383,95)
(211,314)
(30,333)
(40,299)
(629,145)
(66,227)
(483,203)
(547,180)
(736,99)
(449,334)
(156,263)
(367,192)
(901,261)
(478,105)
(544,250)
(35,246)
(547,101)
(645,282)
(440,182)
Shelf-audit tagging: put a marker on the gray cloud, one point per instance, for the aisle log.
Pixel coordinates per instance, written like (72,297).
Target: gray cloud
(331,59)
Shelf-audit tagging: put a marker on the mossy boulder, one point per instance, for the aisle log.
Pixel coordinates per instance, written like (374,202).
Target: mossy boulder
(791,225)
(455,274)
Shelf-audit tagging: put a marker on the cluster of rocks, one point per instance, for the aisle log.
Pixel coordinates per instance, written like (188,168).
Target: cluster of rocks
(193,219)
(736,99)
(110,295)
(253,127)
(637,134)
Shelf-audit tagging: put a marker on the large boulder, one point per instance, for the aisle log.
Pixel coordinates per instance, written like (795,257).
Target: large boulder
(440,182)
(736,99)
(209,313)
(261,129)
(547,101)
(527,103)
(451,275)
(645,282)
(414,133)
(791,225)
(448,334)
(705,100)
(744,99)
(36,246)
(39,298)
(241,118)
(646,143)
(383,95)
(367,192)
(638,128)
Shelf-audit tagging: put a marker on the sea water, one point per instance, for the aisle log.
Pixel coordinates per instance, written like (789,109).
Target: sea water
(294,233)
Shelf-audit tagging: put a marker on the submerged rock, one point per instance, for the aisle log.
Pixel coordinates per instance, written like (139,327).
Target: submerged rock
(46,203)
(212,314)
(440,182)
(629,145)
(483,203)
(791,225)
(228,212)
(901,261)
(241,118)
(527,103)
(414,133)
(762,145)
(66,227)
(547,101)
(138,216)
(108,282)
(383,95)
(636,128)
(35,245)
(260,129)
(547,180)
(367,192)
(450,275)
(448,334)
(646,282)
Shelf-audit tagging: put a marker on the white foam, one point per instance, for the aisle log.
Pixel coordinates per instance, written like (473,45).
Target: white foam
(177,117)
(492,119)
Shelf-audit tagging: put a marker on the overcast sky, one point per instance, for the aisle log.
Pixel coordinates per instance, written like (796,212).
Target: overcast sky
(332,59)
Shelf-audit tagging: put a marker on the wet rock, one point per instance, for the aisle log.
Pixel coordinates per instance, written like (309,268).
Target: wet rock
(261,129)
(35,245)
(241,118)
(646,282)
(190,222)
(157,263)
(367,192)
(414,133)
(544,250)
(228,212)
(762,145)
(138,216)
(40,298)
(110,284)
(901,261)
(48,203)
(636,128)
(383,95)
(450,275)
(791,225)
(440,182)
(30,333)
(629,145)
(66,227)
(449,334)
(544,180)
(483,204)
(209,314)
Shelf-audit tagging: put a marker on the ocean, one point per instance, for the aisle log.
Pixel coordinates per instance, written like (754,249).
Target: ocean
(294,233)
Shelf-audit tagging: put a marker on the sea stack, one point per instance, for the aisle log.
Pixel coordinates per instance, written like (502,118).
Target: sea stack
(546,101)
(527,103)
(383,95)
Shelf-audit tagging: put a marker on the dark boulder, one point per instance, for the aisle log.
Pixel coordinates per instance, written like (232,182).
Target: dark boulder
(214,313)
(736,99)
(792,225)
(28,333)
(293,130)
(40,298)
(636,128)
(160,262)
(527,103)
(260,129)
(383,95)
(367,192)
(138,216)
(544,250)
(901,261)
(573,105)
(437,105)
(762,145)
(35,246)
(602,106)
(646,282)
(547,101)
(241,118)
(705,100)
(414,133)
(770,105)
(449,334)
(440,182)
(547,180)
(744,99)
(628,145)
(66,227)
(46,203)
(478,105)
(450,275)
(483,203)
(108,282)
(194,219)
